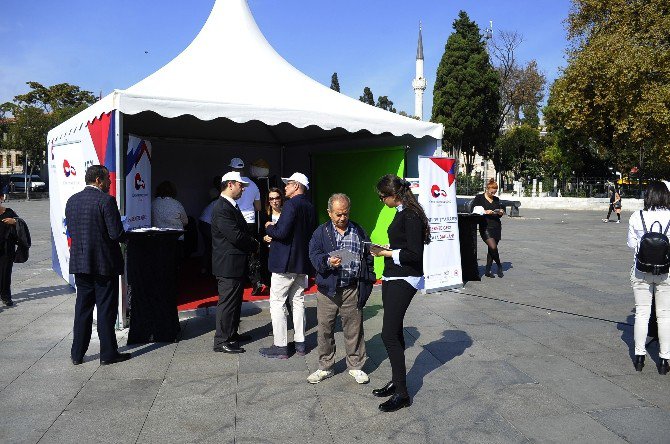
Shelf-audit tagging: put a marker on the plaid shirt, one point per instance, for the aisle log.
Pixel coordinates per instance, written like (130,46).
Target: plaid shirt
(348,272)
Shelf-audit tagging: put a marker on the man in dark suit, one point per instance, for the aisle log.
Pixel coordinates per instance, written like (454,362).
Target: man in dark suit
(94,224)
(231,246)
(289,263)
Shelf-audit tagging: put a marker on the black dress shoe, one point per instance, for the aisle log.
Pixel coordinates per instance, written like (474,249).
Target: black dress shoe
(395,402)
(8,302)
(120,357)
(500,273)
(639,362)
(236,337)
(228,347)
(663,367)
(488,274)
(77,361)
(385,391)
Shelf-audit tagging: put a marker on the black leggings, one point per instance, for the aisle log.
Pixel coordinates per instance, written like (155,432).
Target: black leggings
(396,296)
(609,213)
(492,254)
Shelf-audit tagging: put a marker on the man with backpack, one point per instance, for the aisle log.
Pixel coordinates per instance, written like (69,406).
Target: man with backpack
(648,236)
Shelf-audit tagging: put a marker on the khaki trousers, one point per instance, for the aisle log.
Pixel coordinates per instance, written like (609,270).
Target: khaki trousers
(345,302)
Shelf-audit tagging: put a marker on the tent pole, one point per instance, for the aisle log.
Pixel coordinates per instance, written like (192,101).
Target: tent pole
(121,201)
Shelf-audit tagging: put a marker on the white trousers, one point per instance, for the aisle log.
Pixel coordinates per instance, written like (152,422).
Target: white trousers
(283,286)
(643,287)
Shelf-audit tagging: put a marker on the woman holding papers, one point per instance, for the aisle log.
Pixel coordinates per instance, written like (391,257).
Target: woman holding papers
(490,229)
(403,276)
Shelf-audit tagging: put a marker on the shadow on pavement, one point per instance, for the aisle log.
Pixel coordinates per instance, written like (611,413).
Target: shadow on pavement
(34,294)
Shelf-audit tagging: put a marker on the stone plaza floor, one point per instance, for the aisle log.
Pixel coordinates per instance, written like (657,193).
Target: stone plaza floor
(541,355)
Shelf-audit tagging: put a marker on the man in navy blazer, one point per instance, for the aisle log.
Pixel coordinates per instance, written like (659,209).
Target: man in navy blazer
(94,224)
(232,244)
(289,264)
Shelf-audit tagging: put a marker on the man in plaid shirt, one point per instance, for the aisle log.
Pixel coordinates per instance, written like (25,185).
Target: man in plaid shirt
(337,282)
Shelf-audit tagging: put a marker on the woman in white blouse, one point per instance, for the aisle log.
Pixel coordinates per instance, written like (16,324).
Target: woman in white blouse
(166,211)
(646,285)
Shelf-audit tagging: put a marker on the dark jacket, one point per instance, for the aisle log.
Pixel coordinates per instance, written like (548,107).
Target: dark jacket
(289,251)
(23,241)
(94,225)
(405,234)
(231,242)
(321,244)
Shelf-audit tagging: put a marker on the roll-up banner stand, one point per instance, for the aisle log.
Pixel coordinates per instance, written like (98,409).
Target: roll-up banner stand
(437,195)
(138,183)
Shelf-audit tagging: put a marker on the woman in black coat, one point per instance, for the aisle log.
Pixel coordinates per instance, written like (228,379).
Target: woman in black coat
(403,276)
(8,241)
(490,229)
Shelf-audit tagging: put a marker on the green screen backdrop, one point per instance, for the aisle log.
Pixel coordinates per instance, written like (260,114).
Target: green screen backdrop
(356,173)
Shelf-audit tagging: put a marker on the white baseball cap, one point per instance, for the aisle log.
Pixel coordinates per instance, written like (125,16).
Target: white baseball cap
(234,175)
(297,177)
(236,162)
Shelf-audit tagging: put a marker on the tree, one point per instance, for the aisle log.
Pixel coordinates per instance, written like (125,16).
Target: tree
(466,94)
(334,83)
(616,87)
(531,115)
(383,102)
(367,97)
(36,112)
(521,149)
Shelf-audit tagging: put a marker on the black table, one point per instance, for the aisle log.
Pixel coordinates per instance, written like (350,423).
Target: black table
(468,234)
(151,264)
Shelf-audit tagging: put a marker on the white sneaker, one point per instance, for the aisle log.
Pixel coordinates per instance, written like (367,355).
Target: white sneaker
(605,220)
(319,376)
(618,221)
(360,376)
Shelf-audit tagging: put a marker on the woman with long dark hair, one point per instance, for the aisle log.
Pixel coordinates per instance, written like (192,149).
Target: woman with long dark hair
(403,276)
(490,229)
(271,213)
(656,217)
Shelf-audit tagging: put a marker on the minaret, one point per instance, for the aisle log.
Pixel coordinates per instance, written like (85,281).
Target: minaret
(419,83)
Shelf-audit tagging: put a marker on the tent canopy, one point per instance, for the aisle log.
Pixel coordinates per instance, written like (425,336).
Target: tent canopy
(230,71)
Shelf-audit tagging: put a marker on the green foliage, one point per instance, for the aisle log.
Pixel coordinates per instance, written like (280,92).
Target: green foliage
(520,149)
(466,93)
(383,102)
(467,185)
(334,83)
(367,97)
(615,91)
(36,112)
(531,116)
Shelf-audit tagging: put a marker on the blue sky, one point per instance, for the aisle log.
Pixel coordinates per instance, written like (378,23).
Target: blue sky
(101,46)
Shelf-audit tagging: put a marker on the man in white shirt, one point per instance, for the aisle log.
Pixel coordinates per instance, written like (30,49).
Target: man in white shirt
(249,204)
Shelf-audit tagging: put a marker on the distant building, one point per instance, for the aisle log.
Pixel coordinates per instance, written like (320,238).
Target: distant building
(11,161)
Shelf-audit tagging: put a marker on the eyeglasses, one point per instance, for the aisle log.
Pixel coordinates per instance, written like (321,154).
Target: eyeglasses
(291,182)
(274,198)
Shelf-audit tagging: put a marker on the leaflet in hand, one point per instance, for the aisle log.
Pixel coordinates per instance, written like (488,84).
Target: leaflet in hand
(377,247)
(347,256)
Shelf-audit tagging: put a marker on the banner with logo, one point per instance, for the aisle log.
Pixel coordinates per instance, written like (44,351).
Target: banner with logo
(437,195)
(68,159)
(138,183)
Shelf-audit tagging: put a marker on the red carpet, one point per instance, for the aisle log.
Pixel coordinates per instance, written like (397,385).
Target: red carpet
(198,291)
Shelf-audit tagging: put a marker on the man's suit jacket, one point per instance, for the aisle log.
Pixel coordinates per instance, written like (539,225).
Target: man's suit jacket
(289,250)
(231,241)
(94,224)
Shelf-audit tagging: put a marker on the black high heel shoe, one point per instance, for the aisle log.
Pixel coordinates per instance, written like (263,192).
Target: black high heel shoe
(387,390)
(489,274)
(663,367)
(395,402)
(639,362)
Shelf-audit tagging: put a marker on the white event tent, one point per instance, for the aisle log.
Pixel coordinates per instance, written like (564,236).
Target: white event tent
(228,94)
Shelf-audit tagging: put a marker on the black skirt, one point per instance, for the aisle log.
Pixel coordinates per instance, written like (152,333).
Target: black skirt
(491,232)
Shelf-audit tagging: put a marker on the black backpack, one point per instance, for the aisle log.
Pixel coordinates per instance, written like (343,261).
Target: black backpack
(653,255)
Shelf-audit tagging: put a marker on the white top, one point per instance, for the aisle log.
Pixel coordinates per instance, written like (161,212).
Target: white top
(635,229)
(206,215)
(167,212)
(246,202)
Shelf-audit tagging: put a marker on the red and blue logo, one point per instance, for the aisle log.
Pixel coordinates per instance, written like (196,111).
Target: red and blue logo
(68,169)
(139,183)
(436,191)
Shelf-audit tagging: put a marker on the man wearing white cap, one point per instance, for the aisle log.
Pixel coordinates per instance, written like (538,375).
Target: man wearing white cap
(249,204)
(231,245)
(289,263)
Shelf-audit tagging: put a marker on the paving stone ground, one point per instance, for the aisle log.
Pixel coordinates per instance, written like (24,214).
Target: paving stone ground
(541,355)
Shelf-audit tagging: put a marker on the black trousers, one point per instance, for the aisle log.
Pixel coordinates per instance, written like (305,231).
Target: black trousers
(228,308)
(6,264)
(103,292)
(254,260)
(396,297)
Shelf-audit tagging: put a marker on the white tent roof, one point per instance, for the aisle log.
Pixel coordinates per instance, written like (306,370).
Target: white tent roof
(230,70)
